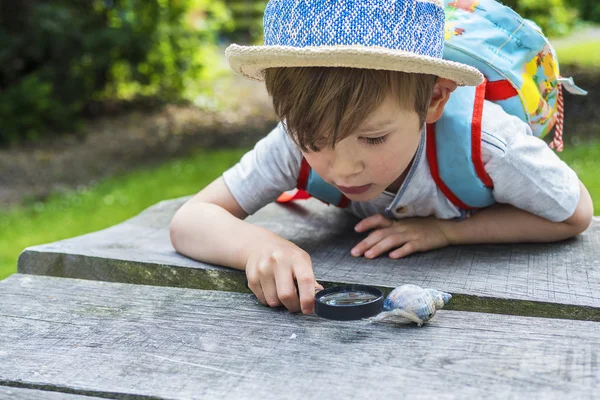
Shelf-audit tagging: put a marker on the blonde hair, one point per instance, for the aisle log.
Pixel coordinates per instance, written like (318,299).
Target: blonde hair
(324,104)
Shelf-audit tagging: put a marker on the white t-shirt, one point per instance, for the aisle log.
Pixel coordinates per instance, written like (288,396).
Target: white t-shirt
(525,171)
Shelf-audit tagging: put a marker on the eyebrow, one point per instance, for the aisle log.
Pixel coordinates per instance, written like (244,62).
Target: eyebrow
(377,126)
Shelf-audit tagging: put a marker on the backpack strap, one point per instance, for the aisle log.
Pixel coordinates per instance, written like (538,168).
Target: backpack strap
(455,157)
(310,184)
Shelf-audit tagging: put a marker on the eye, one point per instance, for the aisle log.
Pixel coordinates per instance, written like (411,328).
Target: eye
(377,140)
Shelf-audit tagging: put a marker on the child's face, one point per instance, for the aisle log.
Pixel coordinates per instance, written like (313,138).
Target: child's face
(373,158)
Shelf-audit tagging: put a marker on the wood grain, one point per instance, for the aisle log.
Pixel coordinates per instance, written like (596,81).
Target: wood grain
(136,340)
(13,393)
(548,275)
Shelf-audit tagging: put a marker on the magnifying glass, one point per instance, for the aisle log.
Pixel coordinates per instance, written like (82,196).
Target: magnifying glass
(351,302)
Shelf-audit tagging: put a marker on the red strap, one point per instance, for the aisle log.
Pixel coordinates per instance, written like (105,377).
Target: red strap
(435,172)
(299,194)
(303,176)
(344,202)
(480,95)
(500,90)
(286,197)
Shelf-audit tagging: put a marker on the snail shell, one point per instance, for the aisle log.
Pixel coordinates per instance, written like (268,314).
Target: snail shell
(414,303)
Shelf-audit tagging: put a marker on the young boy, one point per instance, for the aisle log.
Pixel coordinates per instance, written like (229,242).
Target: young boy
(355,84)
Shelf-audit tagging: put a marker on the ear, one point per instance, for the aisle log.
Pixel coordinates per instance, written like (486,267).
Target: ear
(441,95)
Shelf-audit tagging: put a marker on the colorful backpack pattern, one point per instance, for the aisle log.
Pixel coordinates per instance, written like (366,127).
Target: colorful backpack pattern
(508,49)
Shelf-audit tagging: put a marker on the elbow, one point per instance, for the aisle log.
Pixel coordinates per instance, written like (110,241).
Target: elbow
(582,225)
(177,231)
(581,220)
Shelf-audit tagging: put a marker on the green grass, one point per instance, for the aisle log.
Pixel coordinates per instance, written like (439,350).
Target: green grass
(115,200)
(585,160)
(586,54)
(105,204)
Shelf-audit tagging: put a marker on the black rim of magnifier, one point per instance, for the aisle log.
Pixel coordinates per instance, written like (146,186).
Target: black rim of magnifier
(348,312)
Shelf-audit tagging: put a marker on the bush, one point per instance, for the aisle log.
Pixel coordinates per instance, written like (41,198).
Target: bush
(553,16)
(56,56)
(589,10)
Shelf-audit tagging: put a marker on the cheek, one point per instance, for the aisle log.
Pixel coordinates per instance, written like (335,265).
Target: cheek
(317,162)
(386,164)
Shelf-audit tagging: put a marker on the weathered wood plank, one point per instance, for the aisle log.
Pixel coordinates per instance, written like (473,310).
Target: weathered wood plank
(32,394)
(562,279)
(98,337)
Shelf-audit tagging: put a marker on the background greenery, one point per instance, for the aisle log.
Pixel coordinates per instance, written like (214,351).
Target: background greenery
(105,204)
(58,57)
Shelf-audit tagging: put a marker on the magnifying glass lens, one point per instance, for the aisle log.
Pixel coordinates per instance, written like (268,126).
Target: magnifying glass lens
(347,298)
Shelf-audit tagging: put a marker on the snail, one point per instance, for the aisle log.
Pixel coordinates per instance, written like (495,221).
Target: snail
(414,303)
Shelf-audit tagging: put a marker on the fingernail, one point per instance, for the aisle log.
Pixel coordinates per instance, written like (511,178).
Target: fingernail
(354,252)
(356,228)
(368,254)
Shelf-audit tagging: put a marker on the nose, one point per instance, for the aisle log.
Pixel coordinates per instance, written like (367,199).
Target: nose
(345,164)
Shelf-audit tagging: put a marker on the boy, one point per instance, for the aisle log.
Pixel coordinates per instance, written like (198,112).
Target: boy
(355,83)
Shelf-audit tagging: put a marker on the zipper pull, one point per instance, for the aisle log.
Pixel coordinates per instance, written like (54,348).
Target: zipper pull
(571,87)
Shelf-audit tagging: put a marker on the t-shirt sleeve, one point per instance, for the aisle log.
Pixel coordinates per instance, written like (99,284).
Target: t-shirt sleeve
(526,173)
(265,172)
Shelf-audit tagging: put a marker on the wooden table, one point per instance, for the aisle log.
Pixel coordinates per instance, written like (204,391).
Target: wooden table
(118,314)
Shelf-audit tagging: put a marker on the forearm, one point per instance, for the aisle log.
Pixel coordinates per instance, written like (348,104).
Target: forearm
(507,224)
(209,233)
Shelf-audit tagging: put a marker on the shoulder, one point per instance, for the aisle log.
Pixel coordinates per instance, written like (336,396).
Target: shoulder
(278,152)
(525,171)
(499,130)
(263,173)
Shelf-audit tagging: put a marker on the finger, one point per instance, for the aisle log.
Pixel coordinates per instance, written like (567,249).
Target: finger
(286,290)
(267,284)
(318,287)
(306,286)
(386,244)
(404,251)
(254,285)
(372,222)
(370,241)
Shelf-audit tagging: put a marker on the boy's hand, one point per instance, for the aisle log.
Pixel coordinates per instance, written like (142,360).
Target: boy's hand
(406,236)
(272,270)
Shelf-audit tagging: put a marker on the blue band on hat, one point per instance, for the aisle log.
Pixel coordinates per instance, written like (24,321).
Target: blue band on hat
(410,25)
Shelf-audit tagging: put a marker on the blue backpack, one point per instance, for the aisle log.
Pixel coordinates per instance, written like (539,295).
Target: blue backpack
(522,76)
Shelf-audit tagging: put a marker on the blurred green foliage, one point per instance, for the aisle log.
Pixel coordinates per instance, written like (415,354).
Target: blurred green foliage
(57,56)
(555,17)
(589,10)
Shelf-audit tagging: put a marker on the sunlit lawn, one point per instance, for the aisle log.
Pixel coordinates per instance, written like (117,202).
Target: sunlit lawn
(117,199)
(585,54)
(105,204)
(585,160)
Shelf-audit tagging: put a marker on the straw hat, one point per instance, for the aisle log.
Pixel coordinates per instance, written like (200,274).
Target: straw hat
(397,35)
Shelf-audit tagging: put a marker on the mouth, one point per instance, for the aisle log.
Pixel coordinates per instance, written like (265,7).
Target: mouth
(354,189)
